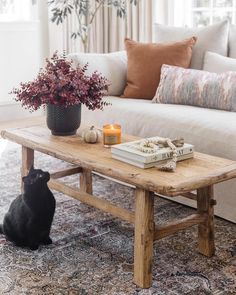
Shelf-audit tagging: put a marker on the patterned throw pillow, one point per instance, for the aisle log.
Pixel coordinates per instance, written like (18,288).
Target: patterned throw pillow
(197,88)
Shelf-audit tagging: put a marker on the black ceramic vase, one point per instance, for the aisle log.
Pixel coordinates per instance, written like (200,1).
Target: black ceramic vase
(62,120)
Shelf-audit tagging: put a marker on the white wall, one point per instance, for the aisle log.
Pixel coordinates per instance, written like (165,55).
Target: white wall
(20,61)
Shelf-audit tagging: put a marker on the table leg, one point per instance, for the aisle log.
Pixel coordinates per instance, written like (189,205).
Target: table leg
(143,244)
(205,205)
(86,181)
(27,162)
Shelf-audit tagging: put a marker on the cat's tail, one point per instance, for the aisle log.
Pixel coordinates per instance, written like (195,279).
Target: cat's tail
(1,229)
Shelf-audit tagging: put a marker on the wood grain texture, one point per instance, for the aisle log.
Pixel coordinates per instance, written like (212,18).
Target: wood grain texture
(205,205)
(173,227)
(93,201)
(66,172)
(27,162)
(143,238)
(190,195)
(201,171)
(86,181)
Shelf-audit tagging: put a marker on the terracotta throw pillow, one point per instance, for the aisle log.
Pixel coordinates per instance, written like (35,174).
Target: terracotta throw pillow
(197,88)
(145,61)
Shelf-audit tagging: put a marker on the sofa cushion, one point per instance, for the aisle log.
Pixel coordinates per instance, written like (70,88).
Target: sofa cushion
(197,88)
(212,38)
(113,66)
(145,61)
(208,129)
(232,41)
(217,63)
(211,131)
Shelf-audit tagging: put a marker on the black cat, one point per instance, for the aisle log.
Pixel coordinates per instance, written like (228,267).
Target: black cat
(28,221)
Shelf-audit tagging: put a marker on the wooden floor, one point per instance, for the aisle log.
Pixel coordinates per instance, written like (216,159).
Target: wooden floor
(21,122)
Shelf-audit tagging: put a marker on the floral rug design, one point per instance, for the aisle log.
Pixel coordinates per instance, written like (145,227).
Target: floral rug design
(92,252)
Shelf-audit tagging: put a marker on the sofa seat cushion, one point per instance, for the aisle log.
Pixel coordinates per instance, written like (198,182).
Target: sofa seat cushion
(211,131)
(208,129)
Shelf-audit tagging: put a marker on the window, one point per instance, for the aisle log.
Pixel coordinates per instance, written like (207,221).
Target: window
(19,30)
(195,13)
(16,10)
(205,12)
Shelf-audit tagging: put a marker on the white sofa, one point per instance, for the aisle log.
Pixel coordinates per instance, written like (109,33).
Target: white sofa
(211,131)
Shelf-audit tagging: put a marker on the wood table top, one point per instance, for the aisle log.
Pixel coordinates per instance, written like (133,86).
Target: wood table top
(201,171)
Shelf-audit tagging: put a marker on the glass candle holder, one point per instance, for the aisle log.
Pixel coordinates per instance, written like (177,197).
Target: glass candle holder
(111,134)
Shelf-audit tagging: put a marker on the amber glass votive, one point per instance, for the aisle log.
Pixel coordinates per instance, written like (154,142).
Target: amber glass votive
(111,134)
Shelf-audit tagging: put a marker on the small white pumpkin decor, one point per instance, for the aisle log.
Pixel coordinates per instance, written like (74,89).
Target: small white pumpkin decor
(91,135)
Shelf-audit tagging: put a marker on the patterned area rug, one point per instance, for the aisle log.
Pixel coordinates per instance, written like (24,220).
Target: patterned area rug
(92,252)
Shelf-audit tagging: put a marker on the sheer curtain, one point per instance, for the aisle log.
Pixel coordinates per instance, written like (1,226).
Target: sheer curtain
(192,13)
(108,31)
(60,36)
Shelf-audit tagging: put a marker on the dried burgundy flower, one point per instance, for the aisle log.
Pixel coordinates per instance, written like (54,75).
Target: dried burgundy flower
(59,83)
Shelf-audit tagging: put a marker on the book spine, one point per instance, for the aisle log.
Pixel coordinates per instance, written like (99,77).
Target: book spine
(167,155)
(149,165)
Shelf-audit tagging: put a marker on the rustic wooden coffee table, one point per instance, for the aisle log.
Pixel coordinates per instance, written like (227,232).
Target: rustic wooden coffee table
(198,174)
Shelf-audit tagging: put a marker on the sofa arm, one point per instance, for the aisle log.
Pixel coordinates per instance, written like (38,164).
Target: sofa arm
(112,66)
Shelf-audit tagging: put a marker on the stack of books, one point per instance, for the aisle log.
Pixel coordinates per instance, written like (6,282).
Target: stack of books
(129,153)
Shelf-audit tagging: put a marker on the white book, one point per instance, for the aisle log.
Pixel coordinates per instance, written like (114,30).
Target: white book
(130,150)
(150,165)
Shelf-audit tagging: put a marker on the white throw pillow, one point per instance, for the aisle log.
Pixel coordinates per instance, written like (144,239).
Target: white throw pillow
(212,38)
(232,41)
(217,63)
(113,66)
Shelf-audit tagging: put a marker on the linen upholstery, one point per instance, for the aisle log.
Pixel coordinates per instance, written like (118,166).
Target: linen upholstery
(197,88)
(217,63)
(113,66)
(232,41)
(211,131)
(211,38)
(145,61)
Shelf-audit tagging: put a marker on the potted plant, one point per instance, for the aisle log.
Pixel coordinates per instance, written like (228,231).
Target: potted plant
(83,14)
(62,89)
